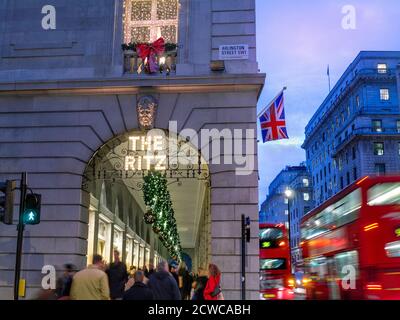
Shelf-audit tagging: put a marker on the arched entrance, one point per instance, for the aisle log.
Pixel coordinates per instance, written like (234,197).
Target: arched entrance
(148,195)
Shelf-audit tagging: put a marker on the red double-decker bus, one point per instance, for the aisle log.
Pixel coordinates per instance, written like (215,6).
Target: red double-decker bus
(276,281)
(351,243)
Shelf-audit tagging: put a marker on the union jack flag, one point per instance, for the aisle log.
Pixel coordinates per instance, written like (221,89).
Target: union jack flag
(273,122)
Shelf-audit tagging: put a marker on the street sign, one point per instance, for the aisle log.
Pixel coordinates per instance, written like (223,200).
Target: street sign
(234,52)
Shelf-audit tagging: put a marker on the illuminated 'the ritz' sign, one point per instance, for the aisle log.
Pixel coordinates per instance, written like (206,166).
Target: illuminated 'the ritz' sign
(145,153)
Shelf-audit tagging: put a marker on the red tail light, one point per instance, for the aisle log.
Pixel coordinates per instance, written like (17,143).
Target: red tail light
(282,243)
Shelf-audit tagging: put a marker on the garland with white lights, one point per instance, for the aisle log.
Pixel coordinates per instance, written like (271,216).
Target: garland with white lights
(161,213)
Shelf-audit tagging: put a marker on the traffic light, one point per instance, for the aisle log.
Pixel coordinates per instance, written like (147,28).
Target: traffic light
(7,201)
(248,229)
(31,214)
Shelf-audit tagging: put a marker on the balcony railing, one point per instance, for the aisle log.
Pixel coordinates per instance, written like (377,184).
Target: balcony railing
(134,64)
(367,131)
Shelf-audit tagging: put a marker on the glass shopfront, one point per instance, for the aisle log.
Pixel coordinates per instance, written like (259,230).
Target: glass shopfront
(104,239)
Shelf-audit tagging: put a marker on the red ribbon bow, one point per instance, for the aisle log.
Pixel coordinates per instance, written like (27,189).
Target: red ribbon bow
(150,51)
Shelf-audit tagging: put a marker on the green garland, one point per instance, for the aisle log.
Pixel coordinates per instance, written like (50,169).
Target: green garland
(158,199)
(132,46)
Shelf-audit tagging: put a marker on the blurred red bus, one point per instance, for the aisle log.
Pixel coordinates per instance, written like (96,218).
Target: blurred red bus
(276,281)
(351,243)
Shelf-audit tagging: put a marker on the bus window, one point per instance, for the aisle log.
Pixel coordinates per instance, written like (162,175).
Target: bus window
(346,263)
(271,238)
(336,215)
(272,264)
(318,267)
(393,249)
(384,194)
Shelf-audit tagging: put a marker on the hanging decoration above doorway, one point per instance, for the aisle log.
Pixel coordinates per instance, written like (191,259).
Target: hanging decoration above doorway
(161,212)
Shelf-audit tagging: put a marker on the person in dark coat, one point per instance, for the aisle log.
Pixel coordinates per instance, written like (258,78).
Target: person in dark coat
(65,282)
(139,291)
(163,285)
(201,283)
(117,277)
(174,271)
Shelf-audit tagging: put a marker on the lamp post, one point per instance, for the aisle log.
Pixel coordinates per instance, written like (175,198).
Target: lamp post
(289,194)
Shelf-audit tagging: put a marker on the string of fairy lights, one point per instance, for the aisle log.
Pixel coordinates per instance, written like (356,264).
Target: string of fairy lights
(149,20)
(160,213)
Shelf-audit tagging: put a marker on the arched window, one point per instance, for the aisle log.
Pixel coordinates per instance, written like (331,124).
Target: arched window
(148,20)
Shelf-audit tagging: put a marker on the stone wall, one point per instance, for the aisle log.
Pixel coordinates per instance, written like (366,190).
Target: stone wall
(52,135)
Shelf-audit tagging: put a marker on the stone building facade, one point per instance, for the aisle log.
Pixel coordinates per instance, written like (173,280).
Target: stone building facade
(277,206)
(69,96)
(356,130)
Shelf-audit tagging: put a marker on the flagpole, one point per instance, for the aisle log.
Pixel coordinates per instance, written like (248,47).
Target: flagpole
(329,78)
(269,104)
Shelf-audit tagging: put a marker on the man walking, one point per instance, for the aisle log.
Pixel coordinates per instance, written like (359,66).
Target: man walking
(139,291)
(163,285)
(117,277)
(91,283)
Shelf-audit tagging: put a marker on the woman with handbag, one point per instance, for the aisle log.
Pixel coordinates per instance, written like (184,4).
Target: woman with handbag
(212,290)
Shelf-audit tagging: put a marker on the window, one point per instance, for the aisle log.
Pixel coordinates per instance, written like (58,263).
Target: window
(358,101)
(384,194)
(341,183)
(384,93)
(349,258)
(379,149)
(377,125)
(380,169)
(270,238)
(336,215)
(286,212)
(354,153)
(272,264)
(348,178)
(148,20)
(399,148)
(306,196)
(306,182)
(286,200)
(382,68)
(398,126)
(355,173)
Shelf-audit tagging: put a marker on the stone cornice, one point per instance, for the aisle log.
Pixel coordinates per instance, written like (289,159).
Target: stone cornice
(135,85)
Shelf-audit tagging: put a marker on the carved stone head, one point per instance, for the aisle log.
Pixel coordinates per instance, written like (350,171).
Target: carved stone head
(146,110)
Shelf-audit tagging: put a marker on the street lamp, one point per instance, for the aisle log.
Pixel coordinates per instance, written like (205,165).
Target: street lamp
(289,194)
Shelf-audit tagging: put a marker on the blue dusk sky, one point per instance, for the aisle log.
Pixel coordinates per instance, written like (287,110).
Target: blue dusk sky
(296,40)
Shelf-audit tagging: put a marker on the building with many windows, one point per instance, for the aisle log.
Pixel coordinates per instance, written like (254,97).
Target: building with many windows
(82,83)
(299,201)
(356,130)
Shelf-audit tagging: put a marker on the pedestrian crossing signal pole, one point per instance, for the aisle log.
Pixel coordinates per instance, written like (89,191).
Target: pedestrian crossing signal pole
(29,213)
(20,236)
(245,239)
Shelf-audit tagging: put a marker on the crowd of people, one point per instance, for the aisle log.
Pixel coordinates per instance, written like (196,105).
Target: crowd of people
(169,281)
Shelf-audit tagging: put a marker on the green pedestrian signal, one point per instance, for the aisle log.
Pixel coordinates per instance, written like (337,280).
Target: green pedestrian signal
(31,213)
